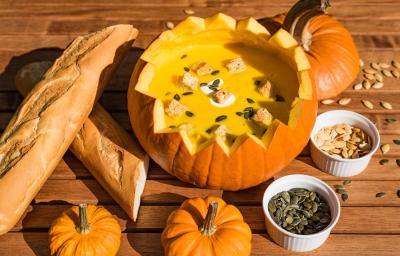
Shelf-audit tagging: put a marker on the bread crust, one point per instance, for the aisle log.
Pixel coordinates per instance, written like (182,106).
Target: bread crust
(48,119)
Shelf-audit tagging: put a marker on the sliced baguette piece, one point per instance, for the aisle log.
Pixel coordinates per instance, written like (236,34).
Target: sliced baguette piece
(113,157)
(51,115)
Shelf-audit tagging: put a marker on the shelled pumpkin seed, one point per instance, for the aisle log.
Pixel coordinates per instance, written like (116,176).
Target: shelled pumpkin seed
(398,193)
(390,120)
(398,162)
(381,194)
(396,141)
(300,211)
(384,162)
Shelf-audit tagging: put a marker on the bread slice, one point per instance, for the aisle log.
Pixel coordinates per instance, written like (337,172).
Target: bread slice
(112,156)
(49,118)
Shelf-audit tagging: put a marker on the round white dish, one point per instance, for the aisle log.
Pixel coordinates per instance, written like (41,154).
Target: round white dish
(295,242)
(338,166)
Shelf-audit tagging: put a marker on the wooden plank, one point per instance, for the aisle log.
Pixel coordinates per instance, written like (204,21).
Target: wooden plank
(172,192)
(353,220)
(36,243)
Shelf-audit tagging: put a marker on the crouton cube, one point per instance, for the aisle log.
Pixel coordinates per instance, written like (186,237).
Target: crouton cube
(221,130)
(202,68)
(190,81)
(175,108)
(265,89)
(221,96)
(262,117)
(236,65)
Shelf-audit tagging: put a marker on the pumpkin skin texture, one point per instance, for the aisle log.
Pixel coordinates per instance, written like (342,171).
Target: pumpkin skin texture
(249,165)
(102,237)
(186,234)
(330,49)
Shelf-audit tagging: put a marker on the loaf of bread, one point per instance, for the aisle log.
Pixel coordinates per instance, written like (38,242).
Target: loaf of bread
(113,157)
(51,115)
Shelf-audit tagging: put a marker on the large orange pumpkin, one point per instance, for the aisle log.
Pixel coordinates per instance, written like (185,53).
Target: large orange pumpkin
(206,226)
(253,160)
(328,44)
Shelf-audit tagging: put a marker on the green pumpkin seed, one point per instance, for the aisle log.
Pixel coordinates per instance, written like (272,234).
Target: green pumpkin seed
(220,118)
(380,194)
(396,141)
(398,162)
(346,182)
(345,197)
(384,162)
(391,120)
(339,186)
(398,193)
(215,72)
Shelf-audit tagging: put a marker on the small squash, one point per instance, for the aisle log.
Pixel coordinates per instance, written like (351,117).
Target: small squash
(85,230)
(206,226)
(328,44)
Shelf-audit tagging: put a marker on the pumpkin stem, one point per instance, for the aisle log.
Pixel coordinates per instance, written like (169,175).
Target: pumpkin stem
(208,228)
(84,226)
(299,16)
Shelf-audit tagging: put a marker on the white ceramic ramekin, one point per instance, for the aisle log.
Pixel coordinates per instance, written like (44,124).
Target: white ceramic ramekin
(337,166)
(295,242)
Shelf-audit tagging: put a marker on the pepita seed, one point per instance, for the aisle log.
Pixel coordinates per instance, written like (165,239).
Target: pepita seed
(346,182)
(395,73)
(386,105)
(391,120)
(345,197)
(380,194)
(338,186)
(384,162)
(366,84)
(385,148)
(387,73)
(220,118)
(375,66)
(384,65)
(398,162)
(396,141)
(357,86)
(368,104)
(377,85)
(396,64)
(398,193)
(344,101)
(169,25)
(327,101)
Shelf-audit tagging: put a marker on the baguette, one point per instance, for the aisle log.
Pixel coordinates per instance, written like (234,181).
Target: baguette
(51,115)
(113,157)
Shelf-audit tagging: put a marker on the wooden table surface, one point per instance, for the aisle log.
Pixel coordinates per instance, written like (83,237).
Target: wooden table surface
(37,30)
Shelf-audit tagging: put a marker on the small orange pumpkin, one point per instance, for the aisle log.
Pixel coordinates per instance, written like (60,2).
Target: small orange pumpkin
(328,44)
(85,230)
(206,226)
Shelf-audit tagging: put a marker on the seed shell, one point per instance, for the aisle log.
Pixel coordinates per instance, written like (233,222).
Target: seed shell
(369,76)
(395,73)
(378,77)
(384,65)
(169,25)
(357,86)
(366,84)
(387,73)
(375,66)
(361,62)
(344,101)
(188,11)
(369,71)
(377,85)
(368,104)
(396,64)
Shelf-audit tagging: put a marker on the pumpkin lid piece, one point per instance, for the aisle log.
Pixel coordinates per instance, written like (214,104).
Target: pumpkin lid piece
(85,230)
(206,226)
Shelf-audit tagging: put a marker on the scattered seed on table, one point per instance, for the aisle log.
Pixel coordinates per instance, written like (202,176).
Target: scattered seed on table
(385,148)
(370,76)
(344,101)
(375,66)
(398,193)
(384,65)
(339,186)
(345,197)
(379,77)
(357,86)
(188,11)
(398,162)
(396,64)
(187,93)
(386,105)
(327,101)
(366,84)
(341,191)
(368,104)
(384,162)
(391,120)
(380,194)
(221,118)
(377,85)
(369,71)
(395,73)
(346,182)
(239,113)
(251,101)
(189,114)
(387,73)
(361,62)
(169,25)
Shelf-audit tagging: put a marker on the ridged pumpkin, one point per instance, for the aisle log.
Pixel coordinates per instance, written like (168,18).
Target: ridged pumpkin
(206,226)
(328,44)
(85,231)
(251,160)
